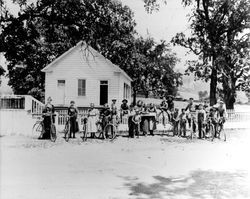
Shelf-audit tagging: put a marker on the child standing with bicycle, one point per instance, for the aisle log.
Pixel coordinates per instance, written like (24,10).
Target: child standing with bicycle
(48,119)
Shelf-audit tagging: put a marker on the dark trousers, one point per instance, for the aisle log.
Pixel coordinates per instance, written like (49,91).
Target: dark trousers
(47,127)
(130,127)
(200,129)
(183,128)
(73,127)
(176,127)
(192,122)
(136,129)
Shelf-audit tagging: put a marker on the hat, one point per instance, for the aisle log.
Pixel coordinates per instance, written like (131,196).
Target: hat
(49,99)
(170,96)
(125,100)
(72,102)
(221,102)
(113,99)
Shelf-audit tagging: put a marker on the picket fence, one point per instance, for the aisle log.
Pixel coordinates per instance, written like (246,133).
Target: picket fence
(233,118)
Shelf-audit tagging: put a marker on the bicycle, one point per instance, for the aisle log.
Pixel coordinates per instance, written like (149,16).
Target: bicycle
(209,129)
(67,130)
(39,127)
(220,129)
(110,131)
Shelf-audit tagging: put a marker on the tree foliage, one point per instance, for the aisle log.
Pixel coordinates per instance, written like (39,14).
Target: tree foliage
(44,30)
(218,38)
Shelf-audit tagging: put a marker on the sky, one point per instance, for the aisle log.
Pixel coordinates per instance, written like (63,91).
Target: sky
(163,24)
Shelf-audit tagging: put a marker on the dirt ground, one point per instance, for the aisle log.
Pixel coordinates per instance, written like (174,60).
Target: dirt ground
(148,167)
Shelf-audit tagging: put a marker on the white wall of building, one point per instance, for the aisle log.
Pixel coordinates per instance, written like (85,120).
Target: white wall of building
(93,68)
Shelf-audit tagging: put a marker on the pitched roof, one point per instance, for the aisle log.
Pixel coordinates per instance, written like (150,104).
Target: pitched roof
(81,43)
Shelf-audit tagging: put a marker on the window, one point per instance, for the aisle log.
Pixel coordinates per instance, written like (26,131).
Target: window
(60,83)
(126,91)
(81,87)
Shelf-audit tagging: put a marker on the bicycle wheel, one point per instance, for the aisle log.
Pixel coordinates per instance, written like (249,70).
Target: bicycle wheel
(110,131)
(53,133)
(38,129)
(66,131)
(221,131)
(211,131)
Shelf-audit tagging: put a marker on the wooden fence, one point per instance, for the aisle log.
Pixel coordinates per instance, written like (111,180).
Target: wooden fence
(233,117)
(238,116)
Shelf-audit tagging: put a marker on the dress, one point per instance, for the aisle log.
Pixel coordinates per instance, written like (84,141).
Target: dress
(72,112)
(92,120)
(47,111)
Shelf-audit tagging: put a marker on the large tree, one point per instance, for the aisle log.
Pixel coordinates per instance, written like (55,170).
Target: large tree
(216,38)
(223,52)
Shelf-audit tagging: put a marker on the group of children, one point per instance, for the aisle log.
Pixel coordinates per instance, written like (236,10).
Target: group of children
(197,117)
(143,118)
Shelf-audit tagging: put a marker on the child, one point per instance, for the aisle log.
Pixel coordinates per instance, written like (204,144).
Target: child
(136,119)
(130,123)
(114,118)
(183,122)
(201,117)
(72,113)
(164,109)
(92,120)
(214,118)
(124,108)
(175,120)
(113,105)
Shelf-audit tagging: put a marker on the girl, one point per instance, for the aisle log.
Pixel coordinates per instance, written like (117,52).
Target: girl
(92,120)
(48,112)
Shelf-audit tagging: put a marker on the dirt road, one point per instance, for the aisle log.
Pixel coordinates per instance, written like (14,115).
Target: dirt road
(148,167)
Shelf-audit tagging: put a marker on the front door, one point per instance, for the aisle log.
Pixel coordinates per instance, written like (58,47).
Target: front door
(103,92)
(61,91)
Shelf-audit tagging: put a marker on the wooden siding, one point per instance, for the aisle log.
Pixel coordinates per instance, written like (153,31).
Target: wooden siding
(92,67)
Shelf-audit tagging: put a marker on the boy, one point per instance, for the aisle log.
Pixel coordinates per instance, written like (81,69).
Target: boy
(136,119)
(72,113)
(113,105)
(214,118)
(164,109)
(175,120)
(201,117)
(191,116)
(183,122)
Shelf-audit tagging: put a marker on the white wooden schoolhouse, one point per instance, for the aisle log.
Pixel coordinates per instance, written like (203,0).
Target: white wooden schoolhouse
(84,75)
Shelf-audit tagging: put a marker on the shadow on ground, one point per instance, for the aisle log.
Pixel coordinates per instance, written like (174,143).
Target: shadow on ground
(198,185)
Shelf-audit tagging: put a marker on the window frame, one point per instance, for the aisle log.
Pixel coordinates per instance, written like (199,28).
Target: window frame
(85,89)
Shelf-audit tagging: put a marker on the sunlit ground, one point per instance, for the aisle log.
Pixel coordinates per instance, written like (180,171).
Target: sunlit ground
(148,167)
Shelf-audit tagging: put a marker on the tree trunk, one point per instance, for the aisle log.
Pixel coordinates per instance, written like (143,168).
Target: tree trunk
(229,91)
(230,102)
(134,96)
(229,94)
(213,87)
